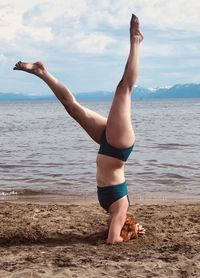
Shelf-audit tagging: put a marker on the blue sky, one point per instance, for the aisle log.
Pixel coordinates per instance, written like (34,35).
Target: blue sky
(85,43)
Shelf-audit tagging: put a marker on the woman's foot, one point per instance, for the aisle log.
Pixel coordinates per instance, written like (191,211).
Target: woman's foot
(135,33)
(36,68)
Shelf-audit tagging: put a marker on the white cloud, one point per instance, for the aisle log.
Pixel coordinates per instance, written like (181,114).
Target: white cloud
(178,15)
(49,12)
(45,20)
(92,43)
(40,34)
(11,22)
(41,29)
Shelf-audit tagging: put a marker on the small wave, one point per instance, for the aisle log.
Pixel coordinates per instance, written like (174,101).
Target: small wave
(171,146)
(24,192)
(152,160)
(37,180)
(14,166)
(146,173)
(8,193)
(54,164)
(32,192)
(165,181)
(179,166)
(176,176)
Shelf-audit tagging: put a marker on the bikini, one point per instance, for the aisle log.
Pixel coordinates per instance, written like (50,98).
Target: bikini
(109,194)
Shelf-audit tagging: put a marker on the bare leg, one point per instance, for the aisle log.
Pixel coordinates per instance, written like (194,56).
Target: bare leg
(92,122)
(119,130)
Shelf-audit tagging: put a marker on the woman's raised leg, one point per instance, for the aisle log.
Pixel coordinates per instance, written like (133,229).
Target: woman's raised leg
(119,130)
(90,121)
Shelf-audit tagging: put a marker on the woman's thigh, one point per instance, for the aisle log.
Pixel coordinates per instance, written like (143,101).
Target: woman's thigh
(119,129)
(92,122)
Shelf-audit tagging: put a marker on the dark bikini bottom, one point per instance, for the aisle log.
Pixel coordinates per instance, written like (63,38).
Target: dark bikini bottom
(109,194)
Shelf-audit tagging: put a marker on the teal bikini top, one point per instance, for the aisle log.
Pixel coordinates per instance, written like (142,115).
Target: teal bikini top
(107,149)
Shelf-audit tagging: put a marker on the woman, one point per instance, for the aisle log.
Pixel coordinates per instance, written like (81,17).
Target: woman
(115,134)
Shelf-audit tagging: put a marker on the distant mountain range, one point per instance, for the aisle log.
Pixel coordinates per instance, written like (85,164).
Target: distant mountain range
(176,91)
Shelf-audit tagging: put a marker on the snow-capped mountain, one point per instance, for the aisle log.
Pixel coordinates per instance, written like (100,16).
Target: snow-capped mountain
(176,91)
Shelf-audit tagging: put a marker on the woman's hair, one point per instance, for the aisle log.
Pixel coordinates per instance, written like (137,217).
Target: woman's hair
(129,230)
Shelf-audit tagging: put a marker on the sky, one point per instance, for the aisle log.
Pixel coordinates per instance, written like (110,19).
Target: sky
(85,43)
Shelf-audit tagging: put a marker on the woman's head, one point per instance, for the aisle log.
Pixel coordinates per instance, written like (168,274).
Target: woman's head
(129,230)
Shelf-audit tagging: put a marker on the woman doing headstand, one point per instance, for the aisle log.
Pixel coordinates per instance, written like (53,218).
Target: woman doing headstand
(115,134)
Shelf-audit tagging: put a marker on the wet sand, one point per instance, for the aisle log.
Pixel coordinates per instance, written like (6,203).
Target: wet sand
(59,240)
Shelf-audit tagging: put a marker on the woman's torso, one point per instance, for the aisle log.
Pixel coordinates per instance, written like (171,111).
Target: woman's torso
(110,170)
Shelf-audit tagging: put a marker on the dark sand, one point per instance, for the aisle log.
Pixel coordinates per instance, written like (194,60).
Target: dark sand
(56,240)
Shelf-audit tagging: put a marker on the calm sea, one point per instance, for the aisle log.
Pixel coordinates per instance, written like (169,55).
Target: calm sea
(45,155)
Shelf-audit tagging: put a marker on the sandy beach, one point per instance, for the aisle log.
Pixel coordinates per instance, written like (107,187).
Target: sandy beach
(57,240)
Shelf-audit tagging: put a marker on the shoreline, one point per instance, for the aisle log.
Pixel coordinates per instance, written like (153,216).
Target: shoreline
(68,240)
(143,199)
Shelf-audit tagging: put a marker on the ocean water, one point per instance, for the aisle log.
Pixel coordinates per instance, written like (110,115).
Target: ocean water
(45,155)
